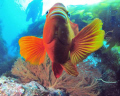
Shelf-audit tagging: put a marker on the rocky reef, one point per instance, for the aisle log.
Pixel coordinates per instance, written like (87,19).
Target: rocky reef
(12,87)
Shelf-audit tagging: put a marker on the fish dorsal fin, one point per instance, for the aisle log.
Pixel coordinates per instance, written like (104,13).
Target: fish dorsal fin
(75,28)
(89,39)
(32,49)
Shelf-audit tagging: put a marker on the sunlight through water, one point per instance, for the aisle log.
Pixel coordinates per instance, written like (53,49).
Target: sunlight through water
(48,3)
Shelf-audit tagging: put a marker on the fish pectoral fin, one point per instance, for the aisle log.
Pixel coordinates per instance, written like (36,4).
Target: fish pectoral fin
(57,69)
(88,40)
(70,68)
(32,49)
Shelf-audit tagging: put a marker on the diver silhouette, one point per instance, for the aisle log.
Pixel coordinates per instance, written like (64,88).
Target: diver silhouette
(34,10)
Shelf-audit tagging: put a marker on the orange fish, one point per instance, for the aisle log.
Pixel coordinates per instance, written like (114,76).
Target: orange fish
(62,41)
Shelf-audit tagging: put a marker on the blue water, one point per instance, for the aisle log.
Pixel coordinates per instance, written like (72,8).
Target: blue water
(13,20)
(13,16)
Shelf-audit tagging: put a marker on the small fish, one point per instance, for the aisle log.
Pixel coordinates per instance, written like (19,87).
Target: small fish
(62,41)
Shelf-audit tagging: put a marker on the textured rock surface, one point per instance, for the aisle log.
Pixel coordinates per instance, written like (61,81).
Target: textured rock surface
(10,87)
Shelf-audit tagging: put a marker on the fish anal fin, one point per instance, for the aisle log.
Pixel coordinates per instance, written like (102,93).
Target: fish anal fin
(32,49)
(70,68)
(57,69)
(88,40)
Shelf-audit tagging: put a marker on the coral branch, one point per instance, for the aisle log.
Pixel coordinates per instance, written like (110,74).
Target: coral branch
(83,85)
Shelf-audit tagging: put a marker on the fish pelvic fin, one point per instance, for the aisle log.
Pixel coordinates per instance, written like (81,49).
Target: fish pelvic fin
(57,69)
(88,40)
(70,68)
(32,49)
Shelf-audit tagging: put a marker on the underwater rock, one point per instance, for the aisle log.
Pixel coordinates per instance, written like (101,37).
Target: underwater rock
(113,38)
(3,46)
(4,56)
(10,87)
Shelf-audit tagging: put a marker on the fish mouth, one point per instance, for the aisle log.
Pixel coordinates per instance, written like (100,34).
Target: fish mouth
(58,13)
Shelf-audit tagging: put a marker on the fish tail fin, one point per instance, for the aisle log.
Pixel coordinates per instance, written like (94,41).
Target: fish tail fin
(88,40)
(70,68)
(32,49)
(57,69)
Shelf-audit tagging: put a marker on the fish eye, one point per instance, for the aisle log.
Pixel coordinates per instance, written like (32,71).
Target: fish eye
(47,12)
(68,14)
